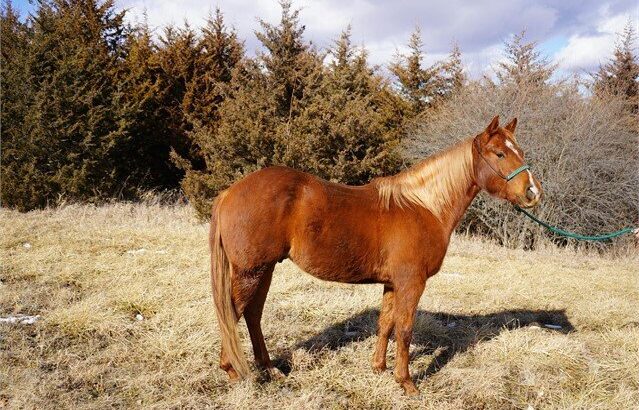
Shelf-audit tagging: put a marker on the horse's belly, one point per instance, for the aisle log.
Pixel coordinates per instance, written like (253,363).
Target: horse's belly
(336,273)
(337,264)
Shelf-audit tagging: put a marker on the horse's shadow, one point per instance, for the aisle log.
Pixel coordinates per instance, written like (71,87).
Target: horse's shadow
(439,334)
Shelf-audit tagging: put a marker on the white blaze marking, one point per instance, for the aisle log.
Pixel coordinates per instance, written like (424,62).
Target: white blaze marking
(513,148)
(533,185)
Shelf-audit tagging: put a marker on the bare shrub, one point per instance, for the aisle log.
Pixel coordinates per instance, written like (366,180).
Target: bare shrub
(584,151)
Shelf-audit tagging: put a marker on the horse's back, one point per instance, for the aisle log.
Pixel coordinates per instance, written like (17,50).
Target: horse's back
(278,210)
(332,231)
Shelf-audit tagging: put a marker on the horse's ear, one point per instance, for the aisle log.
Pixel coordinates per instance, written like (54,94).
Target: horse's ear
(492,127)
(511,125)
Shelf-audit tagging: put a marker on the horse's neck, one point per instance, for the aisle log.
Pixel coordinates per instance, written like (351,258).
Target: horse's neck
(443,184)
(461,202)
(456,173)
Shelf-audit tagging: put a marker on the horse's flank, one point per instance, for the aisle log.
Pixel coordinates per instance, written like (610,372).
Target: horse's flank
(435,183)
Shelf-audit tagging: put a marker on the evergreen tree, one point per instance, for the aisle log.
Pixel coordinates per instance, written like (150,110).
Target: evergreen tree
(74,128)
(244,139)
(176,59)
(339,121)
(524,63)
(15,38)
(18,173)
(419,85)
(259,104)
(219,52)
(621,75)
(217,63)
(289,61)
(347,131)
(453,77)
(142,95)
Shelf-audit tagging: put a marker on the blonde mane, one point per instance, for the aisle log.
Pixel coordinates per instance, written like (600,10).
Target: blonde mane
(433,183)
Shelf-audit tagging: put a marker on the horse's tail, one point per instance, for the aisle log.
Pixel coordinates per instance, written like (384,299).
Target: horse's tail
(221,274)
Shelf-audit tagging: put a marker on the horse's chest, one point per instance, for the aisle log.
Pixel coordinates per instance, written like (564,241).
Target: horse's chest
(418,247)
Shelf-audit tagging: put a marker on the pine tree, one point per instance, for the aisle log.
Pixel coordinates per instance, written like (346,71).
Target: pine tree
(18,173)
(219,52)
(621,75)
(524,63)
(418,84)
(346,131)
(150,129)
(74,128)
(453,77)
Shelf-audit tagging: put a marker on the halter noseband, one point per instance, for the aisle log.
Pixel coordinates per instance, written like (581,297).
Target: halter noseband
(496,171)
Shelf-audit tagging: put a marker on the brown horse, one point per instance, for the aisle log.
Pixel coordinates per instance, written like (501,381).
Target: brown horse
(394,231)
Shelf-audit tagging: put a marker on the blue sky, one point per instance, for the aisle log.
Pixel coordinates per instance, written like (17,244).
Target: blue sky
(577,35)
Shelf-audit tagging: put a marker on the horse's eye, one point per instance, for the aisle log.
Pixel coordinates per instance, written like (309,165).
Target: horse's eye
(500,155)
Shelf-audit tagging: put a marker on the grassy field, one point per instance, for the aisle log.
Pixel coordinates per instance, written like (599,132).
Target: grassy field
(126,320)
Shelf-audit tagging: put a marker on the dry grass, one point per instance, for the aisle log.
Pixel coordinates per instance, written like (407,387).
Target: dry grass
(480,340)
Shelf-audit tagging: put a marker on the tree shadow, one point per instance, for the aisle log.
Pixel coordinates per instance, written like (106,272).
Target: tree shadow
(440,334)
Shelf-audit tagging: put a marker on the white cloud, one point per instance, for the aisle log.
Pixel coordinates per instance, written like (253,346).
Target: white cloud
(384,26)
(242,14)
(585,52)
(483,62)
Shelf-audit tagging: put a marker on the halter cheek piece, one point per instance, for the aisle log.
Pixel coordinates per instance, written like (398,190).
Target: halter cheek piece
(496,171)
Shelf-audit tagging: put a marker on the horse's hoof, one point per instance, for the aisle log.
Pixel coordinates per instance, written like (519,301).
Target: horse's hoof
(233,376)
(379,368)
(276,374)
(410,389)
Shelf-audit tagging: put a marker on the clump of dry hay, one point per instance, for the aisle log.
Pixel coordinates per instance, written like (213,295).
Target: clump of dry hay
(480,336)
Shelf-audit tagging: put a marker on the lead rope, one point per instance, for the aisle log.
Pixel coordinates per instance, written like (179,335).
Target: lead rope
(551,228)
(561,232)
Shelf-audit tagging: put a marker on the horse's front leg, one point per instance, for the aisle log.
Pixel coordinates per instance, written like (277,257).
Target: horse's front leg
(405,303)
(385,327)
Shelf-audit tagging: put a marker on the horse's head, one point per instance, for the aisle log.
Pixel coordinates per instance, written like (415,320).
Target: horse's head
(500,167)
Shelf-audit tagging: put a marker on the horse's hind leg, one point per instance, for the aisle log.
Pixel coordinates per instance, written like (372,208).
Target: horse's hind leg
(385,327)
(245,285)
(253,317)
(250,288)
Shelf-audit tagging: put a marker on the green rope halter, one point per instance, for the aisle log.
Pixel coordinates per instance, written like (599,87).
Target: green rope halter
(495,170)
(567,234)
(517,172)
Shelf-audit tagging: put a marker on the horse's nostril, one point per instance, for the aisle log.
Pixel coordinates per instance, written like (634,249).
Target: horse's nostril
(530,193)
